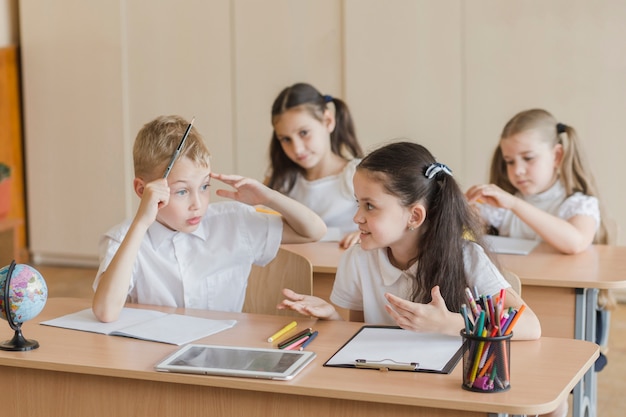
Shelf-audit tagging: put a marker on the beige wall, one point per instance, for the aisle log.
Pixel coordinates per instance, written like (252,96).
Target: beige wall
(447,74)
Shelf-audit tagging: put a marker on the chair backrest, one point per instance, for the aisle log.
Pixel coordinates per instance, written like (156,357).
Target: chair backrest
(612,231)
(514,280)
(265,283)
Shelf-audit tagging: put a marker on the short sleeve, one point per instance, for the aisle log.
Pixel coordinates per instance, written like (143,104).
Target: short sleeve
(579,204)
(347,175)
(481,271)
(347,290)
(493,216)
(265,232)
(107,248)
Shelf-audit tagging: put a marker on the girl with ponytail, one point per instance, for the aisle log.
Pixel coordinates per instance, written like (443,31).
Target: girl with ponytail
(313,154)
(420,248)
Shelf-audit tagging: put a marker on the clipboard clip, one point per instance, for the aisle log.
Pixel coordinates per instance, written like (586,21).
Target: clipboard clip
(386,365)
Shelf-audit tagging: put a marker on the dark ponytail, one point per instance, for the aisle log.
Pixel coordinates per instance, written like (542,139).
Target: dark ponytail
(343,138)
(402,168)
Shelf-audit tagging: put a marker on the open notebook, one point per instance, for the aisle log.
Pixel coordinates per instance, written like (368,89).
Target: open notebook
(393,348)
(143,324)
(510,245)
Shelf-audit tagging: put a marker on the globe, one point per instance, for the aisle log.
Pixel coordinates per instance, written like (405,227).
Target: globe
(23,294)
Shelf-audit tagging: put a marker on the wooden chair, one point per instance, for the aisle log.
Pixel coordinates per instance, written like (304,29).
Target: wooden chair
(265,284)
(514,280)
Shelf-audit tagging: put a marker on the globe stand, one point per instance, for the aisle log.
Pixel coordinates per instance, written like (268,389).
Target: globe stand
(18,343)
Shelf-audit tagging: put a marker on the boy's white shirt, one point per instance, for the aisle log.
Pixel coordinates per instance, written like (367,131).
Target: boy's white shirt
(206,269)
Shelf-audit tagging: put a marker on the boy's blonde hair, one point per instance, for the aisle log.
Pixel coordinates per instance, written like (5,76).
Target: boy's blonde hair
(157,141)
(574,172)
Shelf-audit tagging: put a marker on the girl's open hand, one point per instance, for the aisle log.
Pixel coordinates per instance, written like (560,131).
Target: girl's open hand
(308,305)
(431,317)
(246,190)
(490,194)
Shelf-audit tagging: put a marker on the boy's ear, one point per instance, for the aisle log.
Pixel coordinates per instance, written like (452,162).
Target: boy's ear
(138,186)
(418,215)
(329,120)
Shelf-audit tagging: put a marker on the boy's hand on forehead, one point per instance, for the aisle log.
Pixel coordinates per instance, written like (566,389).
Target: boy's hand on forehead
(246,190)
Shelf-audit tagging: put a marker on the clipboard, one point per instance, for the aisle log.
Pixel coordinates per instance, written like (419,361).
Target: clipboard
(391,348)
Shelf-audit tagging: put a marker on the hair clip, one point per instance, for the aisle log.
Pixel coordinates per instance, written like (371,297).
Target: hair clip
(560,128)
(328,98)
(435,169)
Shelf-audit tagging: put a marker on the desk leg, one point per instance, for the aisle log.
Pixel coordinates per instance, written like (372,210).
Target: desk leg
(586,391)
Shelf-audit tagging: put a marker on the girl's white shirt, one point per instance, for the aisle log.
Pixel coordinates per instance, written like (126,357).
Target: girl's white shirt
(364,276)
(331,198)
(206,269)
(554,201)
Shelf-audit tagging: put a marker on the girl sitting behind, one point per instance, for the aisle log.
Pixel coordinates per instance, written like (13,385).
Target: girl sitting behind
(413,264)
(540,187)
(313,155)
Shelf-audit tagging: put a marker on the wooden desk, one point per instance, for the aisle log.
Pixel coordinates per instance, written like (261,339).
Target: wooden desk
(561,289)
(550,278)
(570,283)
(76,373)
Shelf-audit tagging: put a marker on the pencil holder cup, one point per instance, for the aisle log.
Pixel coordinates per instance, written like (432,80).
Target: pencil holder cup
(486,363)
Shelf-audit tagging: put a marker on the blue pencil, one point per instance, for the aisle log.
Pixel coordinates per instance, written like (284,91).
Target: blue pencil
(309,340)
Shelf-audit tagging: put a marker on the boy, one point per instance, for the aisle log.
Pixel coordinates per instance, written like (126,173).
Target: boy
(180,251)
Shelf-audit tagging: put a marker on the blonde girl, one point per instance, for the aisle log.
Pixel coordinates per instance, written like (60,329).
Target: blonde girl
(540,187)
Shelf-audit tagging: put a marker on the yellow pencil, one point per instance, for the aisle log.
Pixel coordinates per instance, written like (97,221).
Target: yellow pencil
(282,331)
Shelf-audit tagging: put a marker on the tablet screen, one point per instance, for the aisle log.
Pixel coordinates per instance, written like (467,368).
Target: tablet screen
(236,361)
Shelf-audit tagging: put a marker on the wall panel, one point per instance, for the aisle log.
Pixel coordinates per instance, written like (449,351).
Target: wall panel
(278,43)
(564,56)
(403,74)
(72,95)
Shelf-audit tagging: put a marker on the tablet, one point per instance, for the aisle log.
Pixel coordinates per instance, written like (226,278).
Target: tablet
(236,361)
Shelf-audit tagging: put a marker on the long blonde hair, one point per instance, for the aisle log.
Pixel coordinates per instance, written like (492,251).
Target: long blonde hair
(574,172)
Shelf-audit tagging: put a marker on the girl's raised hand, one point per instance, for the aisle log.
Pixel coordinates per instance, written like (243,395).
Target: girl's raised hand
(308,305)
(246,190)
(431,317)
(490,194)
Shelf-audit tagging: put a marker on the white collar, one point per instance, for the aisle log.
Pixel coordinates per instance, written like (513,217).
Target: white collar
(390,274)
(159,233)
(554,193)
